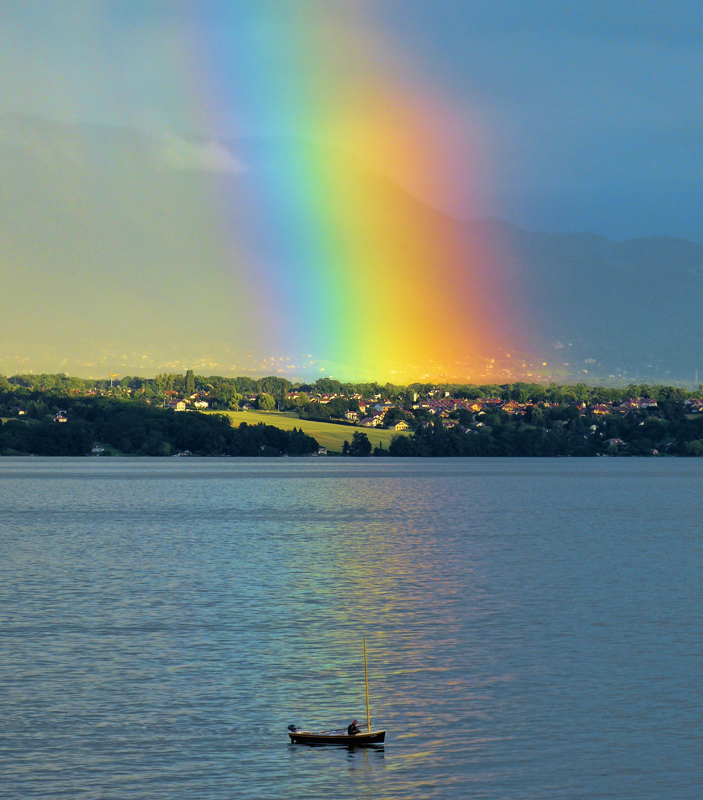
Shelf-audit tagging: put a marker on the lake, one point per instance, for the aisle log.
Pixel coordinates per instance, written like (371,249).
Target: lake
(534,627)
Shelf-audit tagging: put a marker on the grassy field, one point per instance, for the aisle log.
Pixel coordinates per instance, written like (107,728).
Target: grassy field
(326,434)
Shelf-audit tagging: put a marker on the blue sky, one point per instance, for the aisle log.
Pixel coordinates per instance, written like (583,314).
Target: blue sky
(593,110)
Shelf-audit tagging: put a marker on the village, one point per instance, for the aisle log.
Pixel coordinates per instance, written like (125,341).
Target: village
(374,412)
(472,416)
(511,419)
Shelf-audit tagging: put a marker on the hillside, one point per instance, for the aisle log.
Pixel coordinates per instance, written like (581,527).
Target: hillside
(326,434)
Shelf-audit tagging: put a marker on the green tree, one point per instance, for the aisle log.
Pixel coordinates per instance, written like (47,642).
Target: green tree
(402,446)
(273,385)
(538,417)
(338,407)
(379,451)
(302,400)
(190,383)
(265,402)
(360,446)
(245,385)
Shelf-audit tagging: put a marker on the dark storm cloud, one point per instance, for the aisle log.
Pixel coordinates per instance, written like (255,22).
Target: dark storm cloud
(595,109)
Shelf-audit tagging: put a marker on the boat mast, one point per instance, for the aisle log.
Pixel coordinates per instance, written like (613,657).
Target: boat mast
(366,678)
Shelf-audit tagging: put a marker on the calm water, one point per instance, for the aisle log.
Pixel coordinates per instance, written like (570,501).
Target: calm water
(534,627)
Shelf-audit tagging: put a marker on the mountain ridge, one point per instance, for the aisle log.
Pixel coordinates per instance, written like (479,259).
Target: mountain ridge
(96,219)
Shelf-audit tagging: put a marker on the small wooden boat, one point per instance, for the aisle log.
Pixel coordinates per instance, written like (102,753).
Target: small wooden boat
(336,737)
(341,736)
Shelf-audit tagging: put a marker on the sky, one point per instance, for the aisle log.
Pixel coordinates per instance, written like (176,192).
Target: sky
(590,111)
(291,171)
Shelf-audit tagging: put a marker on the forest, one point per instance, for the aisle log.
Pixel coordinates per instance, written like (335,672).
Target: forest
(116,427)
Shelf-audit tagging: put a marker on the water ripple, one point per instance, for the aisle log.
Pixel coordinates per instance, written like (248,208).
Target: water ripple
(534,627)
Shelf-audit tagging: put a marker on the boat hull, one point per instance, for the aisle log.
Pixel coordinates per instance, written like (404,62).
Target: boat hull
(337,737)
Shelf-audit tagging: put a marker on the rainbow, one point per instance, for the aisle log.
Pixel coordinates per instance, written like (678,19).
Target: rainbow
(336,232)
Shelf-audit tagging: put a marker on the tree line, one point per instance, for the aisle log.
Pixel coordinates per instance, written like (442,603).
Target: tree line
(552,432)
(139,429)
(224,390)
(131,422)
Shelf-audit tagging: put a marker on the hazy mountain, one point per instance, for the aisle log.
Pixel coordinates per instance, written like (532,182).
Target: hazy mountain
(113,257)
(626,309)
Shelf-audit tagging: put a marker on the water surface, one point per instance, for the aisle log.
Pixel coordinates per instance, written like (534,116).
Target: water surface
(534,627)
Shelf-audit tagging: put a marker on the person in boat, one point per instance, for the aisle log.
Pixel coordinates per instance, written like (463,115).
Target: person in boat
(352,730)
